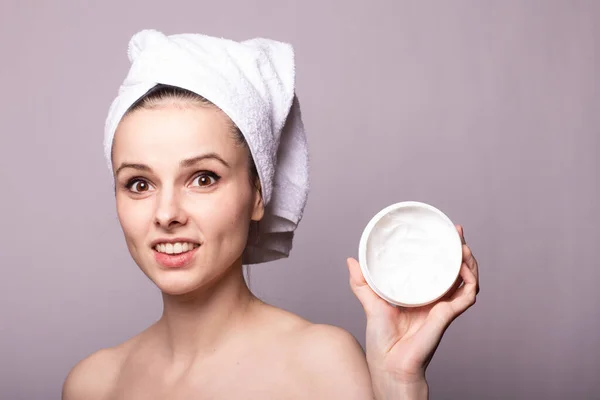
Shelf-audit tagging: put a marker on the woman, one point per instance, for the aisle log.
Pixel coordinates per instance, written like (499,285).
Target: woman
(200,189)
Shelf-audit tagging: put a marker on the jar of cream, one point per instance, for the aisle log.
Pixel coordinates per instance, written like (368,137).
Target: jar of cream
(410,254)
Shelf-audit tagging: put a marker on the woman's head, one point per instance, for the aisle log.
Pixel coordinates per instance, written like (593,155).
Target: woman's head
(253,82)
(184,173)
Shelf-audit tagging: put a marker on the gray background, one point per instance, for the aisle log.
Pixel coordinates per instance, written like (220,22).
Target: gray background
(487,110)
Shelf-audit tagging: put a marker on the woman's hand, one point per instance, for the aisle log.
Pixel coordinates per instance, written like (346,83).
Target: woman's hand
(401,341)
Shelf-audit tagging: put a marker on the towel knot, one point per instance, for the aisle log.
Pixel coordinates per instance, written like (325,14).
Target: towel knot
(145,39)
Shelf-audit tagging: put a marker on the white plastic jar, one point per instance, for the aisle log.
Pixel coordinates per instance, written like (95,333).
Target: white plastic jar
(410,254)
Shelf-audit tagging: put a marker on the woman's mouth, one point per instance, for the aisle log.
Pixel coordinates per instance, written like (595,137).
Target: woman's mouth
(175,255)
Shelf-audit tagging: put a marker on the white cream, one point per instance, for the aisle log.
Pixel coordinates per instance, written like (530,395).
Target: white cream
(413,254)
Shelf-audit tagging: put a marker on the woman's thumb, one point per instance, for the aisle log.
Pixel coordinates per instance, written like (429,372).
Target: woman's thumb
(367,297)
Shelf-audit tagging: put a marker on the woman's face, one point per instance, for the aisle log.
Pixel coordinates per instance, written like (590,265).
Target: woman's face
(183,187)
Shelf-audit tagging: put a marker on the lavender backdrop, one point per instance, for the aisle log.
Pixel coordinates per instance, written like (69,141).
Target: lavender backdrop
(487,110)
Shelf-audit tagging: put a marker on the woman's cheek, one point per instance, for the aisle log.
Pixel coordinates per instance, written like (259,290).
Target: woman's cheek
(230,212)
(135,216)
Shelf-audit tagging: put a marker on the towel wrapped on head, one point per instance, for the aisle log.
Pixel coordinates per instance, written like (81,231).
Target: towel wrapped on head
(253,82)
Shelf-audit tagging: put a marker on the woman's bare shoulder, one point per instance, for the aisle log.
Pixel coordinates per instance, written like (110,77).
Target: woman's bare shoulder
(94,376)
(328,357)
(304,335)
(334,360)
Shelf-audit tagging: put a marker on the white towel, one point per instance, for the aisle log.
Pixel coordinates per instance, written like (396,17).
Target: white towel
(253,82)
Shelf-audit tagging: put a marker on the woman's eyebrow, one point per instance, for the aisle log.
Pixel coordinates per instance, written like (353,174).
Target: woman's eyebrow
(189,162)
(139,167)
(192,161)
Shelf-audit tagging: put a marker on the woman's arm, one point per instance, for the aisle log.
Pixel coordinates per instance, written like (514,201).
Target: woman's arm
(402,341)
(410,391)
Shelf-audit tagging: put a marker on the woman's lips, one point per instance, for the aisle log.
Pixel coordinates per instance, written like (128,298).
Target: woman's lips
(175,260)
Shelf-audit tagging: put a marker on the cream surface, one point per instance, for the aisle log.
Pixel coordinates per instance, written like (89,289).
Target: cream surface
(413,255)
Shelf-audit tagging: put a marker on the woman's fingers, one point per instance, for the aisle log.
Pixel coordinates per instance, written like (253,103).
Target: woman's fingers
(468,257)
(471,263)
(370,301)
(464,297)
(454,288)
(460,230)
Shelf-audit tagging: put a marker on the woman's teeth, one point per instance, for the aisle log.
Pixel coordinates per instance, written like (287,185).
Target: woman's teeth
(175,248)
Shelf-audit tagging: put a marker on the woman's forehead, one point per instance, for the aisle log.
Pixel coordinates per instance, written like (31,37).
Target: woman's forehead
(174,133)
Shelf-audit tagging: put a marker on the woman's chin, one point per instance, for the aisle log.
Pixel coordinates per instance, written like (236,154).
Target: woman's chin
(177,288)
(184,281)
(195,277)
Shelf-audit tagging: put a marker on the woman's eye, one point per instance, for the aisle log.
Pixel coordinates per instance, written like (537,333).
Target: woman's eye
(138,186)
(205,179)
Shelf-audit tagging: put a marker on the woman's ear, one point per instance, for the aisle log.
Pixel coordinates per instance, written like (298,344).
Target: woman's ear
(259,209)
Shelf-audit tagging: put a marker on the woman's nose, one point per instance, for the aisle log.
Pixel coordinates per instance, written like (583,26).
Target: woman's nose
(169,210)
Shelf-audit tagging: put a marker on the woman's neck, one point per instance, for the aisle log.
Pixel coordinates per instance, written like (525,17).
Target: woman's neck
(196,324)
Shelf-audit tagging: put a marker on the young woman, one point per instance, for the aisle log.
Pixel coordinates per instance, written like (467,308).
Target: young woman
(190,200)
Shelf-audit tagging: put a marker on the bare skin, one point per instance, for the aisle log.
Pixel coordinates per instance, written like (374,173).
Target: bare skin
(215,340)
(271,354)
